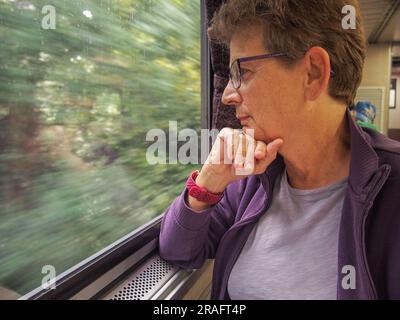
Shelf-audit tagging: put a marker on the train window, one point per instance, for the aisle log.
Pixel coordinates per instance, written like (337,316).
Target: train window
(81,84)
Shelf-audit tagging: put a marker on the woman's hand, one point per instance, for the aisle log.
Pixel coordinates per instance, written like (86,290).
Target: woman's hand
(235,155)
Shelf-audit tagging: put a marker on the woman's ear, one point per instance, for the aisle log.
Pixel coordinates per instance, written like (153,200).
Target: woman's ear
(318,68)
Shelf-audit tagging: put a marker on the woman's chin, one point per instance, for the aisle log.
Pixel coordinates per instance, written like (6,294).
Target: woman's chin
(253,132)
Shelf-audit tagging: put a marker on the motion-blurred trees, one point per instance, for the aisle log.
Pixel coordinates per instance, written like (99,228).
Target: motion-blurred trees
(76,103)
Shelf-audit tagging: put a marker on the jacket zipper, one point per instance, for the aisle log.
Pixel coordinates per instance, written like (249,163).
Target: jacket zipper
(373,193)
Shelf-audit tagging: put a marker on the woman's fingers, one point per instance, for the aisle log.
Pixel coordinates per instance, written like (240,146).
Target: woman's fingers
(270,155)
(246,155)
(235,146)
(261,150)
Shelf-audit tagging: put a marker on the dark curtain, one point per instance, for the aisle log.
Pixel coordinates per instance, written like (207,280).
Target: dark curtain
(222,116)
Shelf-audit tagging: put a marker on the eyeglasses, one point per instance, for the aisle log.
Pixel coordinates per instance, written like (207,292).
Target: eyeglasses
(235,73)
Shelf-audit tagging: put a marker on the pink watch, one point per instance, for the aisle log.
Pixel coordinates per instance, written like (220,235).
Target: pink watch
(200,193)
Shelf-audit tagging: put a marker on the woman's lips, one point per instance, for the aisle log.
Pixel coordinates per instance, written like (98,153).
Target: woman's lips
(243,119)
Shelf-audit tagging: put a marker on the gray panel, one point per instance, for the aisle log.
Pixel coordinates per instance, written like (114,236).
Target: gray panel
(146,282)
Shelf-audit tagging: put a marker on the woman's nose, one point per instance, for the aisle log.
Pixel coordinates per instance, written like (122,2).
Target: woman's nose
(231,96)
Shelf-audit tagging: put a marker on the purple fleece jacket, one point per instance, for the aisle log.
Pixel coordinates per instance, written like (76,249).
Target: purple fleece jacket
(369,235)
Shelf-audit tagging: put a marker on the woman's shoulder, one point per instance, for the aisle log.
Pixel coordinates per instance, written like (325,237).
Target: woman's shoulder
(388,150)
(382,143)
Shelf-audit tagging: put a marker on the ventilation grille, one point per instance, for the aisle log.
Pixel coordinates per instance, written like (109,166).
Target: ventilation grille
(375,95)
(145,283)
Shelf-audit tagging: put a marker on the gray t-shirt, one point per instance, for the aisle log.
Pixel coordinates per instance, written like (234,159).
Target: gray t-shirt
(292,252)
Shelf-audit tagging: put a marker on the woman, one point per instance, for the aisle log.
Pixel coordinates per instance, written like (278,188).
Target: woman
(317,217)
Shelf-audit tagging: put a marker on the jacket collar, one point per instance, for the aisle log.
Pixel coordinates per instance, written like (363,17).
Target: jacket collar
(364,160)
(363,164)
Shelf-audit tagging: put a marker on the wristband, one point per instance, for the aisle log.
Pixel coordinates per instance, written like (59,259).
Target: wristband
(200,193)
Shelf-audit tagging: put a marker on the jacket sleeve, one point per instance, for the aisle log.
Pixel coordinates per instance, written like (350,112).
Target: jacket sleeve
(188,238)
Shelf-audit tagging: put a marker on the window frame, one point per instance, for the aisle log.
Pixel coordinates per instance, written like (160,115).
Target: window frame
(87,280)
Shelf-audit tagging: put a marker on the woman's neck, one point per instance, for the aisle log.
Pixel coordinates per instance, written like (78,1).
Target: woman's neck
(320,155)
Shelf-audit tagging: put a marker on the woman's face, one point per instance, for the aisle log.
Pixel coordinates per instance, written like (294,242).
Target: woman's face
(271,96)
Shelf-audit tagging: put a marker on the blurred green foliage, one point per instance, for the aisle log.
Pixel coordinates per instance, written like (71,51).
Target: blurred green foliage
(76,103)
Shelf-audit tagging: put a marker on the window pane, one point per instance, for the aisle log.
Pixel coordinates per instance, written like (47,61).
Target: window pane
(81,84)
